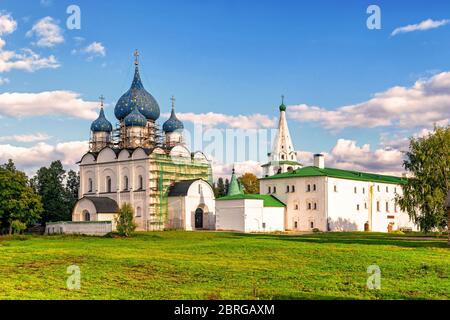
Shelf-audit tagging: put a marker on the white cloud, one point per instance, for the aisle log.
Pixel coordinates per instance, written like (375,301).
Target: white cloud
(14,104)
(26,137)
(25,60)
(42,154)
(7,24)
(421,105)
(424,25)
(3,81)
(224,170)
(47,32)
(95,49)
(211,119)
(46,3)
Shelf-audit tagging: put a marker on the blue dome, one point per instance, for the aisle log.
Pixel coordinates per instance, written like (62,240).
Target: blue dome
(135,119)
(137,97)
(173,124)
(101,124)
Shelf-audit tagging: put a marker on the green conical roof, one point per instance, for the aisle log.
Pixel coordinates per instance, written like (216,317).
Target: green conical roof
(234,187)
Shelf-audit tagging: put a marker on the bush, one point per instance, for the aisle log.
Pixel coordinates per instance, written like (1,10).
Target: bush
(18,226)
(124,221)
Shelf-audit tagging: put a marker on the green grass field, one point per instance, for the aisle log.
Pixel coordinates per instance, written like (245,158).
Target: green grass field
(208,265)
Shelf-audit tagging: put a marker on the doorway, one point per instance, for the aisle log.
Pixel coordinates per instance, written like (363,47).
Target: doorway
(199,218)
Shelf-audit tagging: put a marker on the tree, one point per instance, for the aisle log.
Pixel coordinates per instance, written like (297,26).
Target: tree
(227,186)
(220,188)
(19,204)
(56,199)
(72,186)
(124,221)
(428,161)
(250,183)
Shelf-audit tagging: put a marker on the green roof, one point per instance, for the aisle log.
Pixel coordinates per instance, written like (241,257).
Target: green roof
(234,188)
(338,173)
(269,201)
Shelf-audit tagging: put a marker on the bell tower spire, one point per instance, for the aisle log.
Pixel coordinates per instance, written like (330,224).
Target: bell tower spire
(283,157)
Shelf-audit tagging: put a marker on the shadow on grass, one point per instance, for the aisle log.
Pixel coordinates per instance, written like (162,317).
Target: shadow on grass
(357,238)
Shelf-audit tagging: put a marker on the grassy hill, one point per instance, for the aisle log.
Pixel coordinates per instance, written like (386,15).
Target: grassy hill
(214,265)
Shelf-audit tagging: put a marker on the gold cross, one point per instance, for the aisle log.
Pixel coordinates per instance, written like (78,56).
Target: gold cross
(102,99)
(136,57)
(173,101)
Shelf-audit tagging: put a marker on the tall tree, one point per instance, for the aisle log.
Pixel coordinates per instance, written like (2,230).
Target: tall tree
(49,184)
(220,188)
(428,161)
(72,186)
(227,186)
(250,183)
(19,204)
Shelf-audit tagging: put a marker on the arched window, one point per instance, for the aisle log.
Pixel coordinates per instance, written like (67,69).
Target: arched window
(274,189)
(269,189)
(387,206)
(308,188)
(108,184)
(293,189)
(125,183)
(309,206)
(314,187)
(140,183)
(378,206)
(315,205)
(287,188)
(90,186)
(87,216)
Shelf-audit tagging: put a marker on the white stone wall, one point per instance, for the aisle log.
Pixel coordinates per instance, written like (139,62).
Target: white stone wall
(340,210)
(248,215)
(125,165)
(182,208)
(85,228)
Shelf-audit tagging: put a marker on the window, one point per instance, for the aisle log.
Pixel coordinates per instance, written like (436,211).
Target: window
(387,206)
(365,205)
(293,188)
(395,206)
(295,224)
(335,188)
(296,207)
(140,183)
(125,183)
(138,212)
(108,184)
(364,190)
(314,187)
(357,207)
(87,216)
(378,206)
(90,185)
(378,188)
(287,188)
(395,189)
(264,225)
(308,188)
(309,205)
(200,189)
(315,205)
(274,189)
(355,190)
(268,190)
(387,189)
(312,225)
(282,157)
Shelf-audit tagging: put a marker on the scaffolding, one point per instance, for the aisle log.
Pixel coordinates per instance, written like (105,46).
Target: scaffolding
(164,172)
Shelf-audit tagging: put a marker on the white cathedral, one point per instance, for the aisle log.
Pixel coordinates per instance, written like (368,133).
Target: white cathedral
(170,187)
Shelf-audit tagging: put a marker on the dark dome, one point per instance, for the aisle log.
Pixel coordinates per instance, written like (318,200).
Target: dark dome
(135,119)
(101,124)
(172,124)
(137,97)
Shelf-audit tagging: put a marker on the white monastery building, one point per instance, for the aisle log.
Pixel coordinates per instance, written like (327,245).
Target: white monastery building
(170,187)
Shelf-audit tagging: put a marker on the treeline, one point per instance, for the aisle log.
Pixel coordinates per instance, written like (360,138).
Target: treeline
(49,196)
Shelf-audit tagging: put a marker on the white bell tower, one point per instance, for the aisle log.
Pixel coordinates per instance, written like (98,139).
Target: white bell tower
(283,157)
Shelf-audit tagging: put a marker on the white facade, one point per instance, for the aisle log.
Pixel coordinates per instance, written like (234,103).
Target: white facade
(194,209)
(248,215)
(336,204)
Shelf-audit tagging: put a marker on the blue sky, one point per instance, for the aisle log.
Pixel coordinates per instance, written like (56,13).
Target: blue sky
(230,57)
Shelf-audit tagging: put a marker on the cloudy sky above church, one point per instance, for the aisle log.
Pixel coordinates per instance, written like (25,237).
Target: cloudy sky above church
(353,93)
